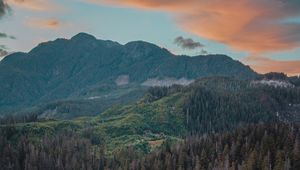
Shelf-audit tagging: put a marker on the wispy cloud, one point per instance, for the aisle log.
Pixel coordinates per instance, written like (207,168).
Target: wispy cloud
(256,26)
(187,43)
(52,24)
(35,5)
(264,65)
(4,35)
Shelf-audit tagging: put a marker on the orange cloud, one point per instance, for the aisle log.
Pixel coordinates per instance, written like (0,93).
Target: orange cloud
(35,5)
(265,65)
(256,26)
(43,23)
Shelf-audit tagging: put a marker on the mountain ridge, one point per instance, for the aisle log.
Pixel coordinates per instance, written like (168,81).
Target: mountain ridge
(76,67)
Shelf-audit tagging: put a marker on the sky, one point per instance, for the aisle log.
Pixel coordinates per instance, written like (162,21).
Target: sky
(264,34)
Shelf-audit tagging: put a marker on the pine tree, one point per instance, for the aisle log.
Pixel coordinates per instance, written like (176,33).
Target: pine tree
(279,161)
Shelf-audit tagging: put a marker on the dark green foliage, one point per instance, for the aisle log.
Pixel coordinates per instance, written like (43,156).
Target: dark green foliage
(63,151)
(121,136)
(219,103)
(209,105)
(260,147)
(156,93)
(295,80)
(256,147)
(230,103)
(12,119)
(72,108)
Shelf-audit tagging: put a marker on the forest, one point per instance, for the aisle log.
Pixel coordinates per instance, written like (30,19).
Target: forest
(215,123)
(254,147)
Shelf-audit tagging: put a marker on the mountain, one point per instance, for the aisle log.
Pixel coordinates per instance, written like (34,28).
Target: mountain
(84,67)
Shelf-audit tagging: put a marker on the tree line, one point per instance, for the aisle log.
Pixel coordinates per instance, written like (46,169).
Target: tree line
(255,147)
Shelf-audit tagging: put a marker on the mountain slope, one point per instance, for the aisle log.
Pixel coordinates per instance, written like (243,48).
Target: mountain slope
(83,67)
(209,105)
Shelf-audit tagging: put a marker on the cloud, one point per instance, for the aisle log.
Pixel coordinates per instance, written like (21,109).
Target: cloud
(51,24)
(34,5)
(4,35)
(265,65)
(187,43)
(255,26)
(3,47)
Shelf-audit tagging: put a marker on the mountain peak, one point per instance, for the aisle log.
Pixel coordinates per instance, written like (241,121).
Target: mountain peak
(140,44)
(83,36)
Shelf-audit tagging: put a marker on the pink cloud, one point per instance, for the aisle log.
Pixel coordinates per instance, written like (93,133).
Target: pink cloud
(35,5)
(265,65)
(254,26)
(51,24)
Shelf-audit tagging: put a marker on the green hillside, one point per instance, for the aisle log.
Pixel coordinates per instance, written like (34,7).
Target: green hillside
(208,105)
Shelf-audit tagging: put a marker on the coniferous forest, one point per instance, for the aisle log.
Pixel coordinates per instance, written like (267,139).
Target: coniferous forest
(260,146)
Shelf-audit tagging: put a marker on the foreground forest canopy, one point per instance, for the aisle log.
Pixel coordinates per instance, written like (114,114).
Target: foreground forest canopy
(265,147)
(214,123)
